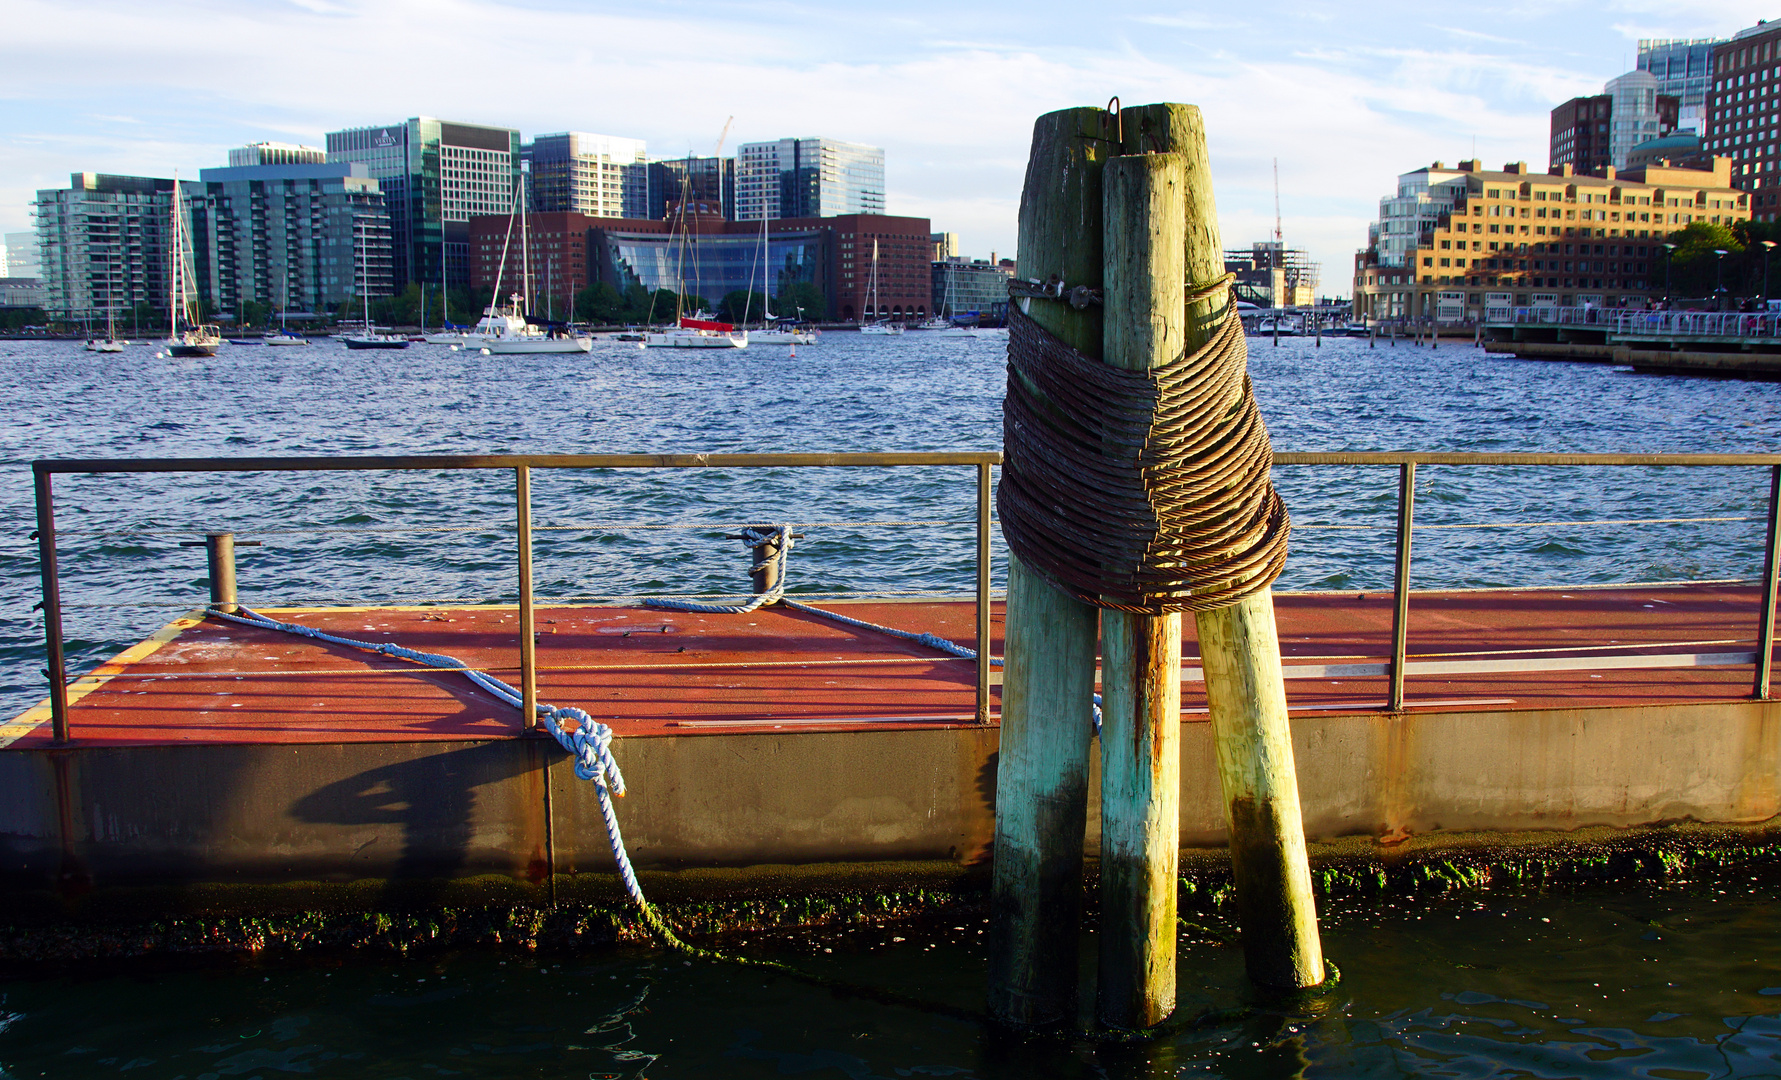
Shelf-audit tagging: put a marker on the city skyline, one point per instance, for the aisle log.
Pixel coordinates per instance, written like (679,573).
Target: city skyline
(949,94)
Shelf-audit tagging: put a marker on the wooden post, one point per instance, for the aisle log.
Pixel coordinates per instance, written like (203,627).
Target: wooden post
(1147,202)
(1240,652)
(1049,653)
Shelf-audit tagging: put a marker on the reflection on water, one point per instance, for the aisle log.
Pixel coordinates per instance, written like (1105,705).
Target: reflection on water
(1664,981)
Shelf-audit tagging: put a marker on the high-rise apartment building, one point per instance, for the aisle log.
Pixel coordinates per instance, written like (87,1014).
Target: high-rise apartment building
(435,176)
(105,244)
(595,175)
(1744,113)
(1682,68)
(276,153)
(814,177)
(316,234)
(21,255)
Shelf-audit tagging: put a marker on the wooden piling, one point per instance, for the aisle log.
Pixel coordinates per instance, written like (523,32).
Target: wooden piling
(1147,200)
(1246,697)
(1049,652)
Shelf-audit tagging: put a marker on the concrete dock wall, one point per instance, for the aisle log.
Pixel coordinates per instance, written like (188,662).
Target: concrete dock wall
(78,822)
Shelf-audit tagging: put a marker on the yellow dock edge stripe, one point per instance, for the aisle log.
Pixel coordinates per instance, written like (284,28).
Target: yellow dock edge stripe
(39,714)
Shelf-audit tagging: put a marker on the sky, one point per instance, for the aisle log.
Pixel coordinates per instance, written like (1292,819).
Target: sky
(1343,96)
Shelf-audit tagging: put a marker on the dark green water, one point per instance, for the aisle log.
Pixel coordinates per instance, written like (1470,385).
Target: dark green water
(1671,981)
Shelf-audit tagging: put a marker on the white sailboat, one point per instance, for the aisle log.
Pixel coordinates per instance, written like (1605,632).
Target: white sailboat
(941,324)
(196,339)
(528,337)
(878,326)
(786,332)
(699,330)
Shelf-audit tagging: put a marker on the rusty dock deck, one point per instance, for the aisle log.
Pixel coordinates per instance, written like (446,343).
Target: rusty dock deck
(216,754)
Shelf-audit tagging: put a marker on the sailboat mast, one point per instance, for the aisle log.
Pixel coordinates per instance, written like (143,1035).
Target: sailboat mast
(173,292)
(364,275)
(525,253)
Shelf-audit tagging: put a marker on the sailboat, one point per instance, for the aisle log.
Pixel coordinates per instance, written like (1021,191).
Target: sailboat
(880,326)
(370,338)
(786,332)
(195,339)
(698,330)
(283,335)
(529,336)
(109,343)
(941,324)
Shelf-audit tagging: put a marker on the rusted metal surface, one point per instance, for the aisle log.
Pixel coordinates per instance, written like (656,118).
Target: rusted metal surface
(1771,579)
(338,766)
(528,617)
(55,666)
(348,463)
(652,673)
(1400,619)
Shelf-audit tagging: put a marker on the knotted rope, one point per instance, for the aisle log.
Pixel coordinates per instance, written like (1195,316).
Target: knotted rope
(1143,491)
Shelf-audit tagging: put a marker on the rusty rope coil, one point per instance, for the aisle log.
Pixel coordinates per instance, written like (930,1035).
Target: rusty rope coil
(1143,491)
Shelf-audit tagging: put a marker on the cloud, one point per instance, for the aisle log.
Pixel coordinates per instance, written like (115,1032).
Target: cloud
(1344,101)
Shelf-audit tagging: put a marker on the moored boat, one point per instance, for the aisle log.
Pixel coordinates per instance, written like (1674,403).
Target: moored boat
(690,333)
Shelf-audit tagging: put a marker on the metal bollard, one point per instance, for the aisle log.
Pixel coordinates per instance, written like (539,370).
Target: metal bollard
(764,565)
(219,557)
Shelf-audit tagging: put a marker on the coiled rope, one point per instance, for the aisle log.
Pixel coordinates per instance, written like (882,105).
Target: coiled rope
(1144,491)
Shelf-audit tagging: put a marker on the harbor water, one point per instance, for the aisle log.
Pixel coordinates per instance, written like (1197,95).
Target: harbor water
(1678,980)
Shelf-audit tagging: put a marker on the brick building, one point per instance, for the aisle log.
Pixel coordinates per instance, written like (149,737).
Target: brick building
(1517,239)
(569,251)
(1744,113)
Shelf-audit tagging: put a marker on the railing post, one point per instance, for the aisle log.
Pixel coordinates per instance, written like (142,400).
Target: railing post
(57,667)
(1765,637)
(1400,612)
(983,601)
(528,643)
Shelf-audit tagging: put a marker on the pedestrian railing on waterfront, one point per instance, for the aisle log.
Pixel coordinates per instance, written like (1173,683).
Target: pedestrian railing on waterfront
(982,462)
(1621,322)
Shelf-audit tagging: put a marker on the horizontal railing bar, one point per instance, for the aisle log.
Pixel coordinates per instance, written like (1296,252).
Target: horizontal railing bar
(1421,458)
(769,461)
(512,461)
(281,530)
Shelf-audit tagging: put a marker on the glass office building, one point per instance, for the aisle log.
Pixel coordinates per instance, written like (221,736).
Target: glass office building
(813,177)
(1682,68)
(596,175)
(711,266)
(435,176)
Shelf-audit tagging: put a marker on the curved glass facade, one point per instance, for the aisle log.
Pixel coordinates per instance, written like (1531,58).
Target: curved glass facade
(712,266)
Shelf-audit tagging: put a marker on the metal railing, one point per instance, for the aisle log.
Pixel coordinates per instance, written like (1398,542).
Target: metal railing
(1620,321)
(522,464)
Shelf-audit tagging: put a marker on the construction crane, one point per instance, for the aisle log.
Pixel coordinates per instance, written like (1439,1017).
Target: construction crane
(725,134)
(1279,238)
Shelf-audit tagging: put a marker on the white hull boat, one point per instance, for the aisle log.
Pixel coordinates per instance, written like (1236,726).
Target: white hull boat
(527,344)
(782,337)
